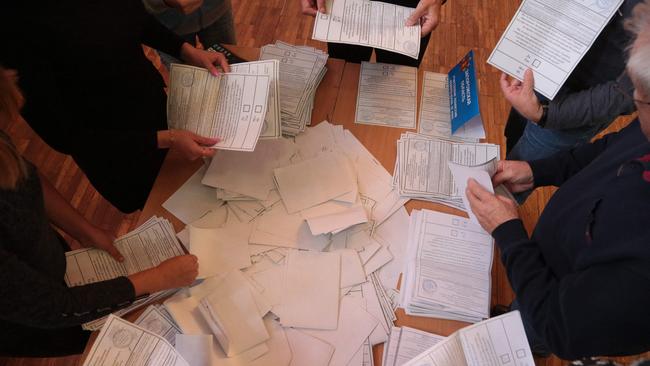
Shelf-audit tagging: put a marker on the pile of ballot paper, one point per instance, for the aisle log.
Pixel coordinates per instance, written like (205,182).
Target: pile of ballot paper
(143,248)
(448,268)
(422,168)
(300,246)
(302,68)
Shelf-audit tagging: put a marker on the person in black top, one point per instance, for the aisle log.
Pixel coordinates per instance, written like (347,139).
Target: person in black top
(427,14)
(39,315)
(91,92)
(582,280)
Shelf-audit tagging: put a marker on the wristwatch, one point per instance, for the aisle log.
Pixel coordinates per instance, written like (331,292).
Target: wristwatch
(542,119)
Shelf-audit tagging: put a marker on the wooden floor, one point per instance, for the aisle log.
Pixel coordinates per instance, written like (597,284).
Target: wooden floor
(465,25)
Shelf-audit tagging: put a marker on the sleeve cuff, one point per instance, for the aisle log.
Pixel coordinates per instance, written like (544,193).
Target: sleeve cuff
(543,171)
(510,233)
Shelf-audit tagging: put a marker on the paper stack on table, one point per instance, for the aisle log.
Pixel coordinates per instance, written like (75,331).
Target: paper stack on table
(301,70)
(448,268)
(407,343)
(230,106)
(497,341)
(422,171)
(145,247)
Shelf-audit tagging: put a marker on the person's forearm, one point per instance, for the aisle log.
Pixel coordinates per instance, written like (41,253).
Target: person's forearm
(146,282)
(62,214)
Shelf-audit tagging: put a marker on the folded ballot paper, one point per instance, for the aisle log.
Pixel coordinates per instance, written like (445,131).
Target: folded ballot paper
(229,106)
(497,341)
(302,68)
(145,247)
(449,105)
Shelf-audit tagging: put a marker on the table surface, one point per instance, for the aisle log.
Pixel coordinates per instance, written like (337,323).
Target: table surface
(335,102)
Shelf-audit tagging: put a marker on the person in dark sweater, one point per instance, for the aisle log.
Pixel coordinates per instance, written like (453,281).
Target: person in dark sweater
(582,280)
(39,315)
(91,92)
(591,98)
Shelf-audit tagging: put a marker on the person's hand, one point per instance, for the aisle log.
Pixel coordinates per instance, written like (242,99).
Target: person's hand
(517,176)
(175,272)
(205,59)
(522,95)
(490,210)
(191,145)
(184,6)
(101,239)
(311,7)
(427,13)
(178,271)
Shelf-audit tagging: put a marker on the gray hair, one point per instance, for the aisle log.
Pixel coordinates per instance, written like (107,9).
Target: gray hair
(638,64)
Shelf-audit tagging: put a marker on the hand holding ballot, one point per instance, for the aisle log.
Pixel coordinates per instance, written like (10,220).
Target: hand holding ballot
(191,145)
(205,59)
(172,273)
(517,176)
(427,14)
(522,95)
(312,7)
(491,210)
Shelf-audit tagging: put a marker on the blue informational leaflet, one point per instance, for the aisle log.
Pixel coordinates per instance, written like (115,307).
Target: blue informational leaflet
(463,94)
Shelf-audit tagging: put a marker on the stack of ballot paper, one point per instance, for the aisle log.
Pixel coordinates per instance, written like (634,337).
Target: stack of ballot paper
(497,341)
(422,167)
(231,107)
(143,248)
(448,268)
(301,70)
(407,343)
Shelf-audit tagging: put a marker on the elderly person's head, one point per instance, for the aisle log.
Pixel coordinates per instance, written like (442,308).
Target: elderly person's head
(638,65)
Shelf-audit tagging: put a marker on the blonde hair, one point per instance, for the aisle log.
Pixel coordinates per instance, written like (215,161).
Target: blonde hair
(12,166)
(638,65)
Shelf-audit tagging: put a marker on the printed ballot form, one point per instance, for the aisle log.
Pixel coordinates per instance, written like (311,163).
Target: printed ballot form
(368,23)
(231,107)
(551,37)
(143,248)
(272,127)
(387,95)
(497,341)
(124,343)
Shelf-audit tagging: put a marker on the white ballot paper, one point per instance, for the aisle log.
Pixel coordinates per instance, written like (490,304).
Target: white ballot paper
(551,37)
(496,341)
(234,318)
(144,248)
(448,268)
(311,290)
(193,199)
(406,343)
(231,107)
(368,23)
(435,117)
(272,125)
(481,173)
(124,343)
(220,250)
(155,320)
(387,95)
